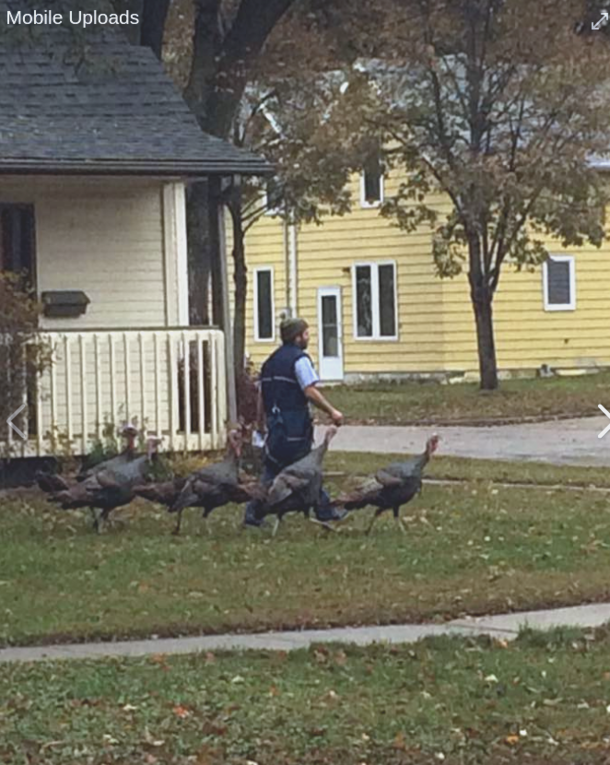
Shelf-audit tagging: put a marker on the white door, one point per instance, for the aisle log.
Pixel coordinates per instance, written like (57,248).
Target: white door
(331,333)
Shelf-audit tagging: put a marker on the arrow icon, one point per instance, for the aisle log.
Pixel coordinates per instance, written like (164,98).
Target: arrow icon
(19,432)
(597,25)
(607,429)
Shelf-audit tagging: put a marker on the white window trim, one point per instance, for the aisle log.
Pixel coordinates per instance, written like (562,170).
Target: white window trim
(257,338)
(364,203)
(571,306)
(374,266)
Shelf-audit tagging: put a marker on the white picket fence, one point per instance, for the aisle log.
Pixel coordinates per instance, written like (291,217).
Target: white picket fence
(171,382)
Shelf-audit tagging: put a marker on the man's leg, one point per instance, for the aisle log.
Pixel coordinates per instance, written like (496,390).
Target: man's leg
(254,507)
(326,512)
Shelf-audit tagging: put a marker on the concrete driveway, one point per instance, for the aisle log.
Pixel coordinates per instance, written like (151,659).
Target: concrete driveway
(561,442)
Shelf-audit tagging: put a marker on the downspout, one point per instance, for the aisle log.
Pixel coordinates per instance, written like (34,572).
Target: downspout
(291,257)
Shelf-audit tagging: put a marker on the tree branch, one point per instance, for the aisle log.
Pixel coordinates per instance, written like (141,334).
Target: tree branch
(253,23)
(152,26)
(207,43)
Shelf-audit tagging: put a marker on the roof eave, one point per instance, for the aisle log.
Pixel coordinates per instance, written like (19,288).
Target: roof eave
(129,167)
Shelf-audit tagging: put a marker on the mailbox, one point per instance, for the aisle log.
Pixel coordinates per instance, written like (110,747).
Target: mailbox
(64,304)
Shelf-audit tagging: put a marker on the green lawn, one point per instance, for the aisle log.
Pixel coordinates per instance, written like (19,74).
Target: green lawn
(430,402)
(473,547)
(357,464)
(542,700)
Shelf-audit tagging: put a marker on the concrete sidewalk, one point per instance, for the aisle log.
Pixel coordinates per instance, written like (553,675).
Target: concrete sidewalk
(560,442)
(504,626)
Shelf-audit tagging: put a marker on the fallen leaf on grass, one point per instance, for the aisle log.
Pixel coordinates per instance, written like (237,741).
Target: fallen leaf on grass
(211,728)
(151,740)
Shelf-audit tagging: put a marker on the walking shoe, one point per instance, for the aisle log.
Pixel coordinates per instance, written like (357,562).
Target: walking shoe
(331,514)
(254,523)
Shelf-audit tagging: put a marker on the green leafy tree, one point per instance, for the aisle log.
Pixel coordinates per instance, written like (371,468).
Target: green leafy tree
(499,105)
(292,112)
(301,123)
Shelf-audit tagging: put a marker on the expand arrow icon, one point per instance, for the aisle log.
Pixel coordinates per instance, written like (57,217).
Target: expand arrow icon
(597,25)
(19,432)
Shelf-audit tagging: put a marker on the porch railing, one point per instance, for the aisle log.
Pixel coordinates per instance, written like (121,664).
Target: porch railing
(170,381)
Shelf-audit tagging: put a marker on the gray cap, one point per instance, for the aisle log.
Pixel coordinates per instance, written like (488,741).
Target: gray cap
(290,329)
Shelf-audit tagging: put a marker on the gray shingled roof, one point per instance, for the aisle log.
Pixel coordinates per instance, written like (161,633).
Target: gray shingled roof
(123,116)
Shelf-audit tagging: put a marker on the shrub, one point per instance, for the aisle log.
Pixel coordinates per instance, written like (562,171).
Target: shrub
(23,355)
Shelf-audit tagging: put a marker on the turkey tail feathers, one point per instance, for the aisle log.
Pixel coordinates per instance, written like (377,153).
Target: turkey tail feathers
(50,483)
(186,498)
(352,501)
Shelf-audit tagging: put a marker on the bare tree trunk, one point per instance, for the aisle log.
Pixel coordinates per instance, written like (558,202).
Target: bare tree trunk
(219,72)
(152,26)
(240,277)
(482,296)
(222,60)
(486,346)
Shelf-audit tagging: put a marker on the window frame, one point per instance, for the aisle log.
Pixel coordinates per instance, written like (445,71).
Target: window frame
(364,203)
(32,280)
(571,306)
(376,337)
(257,337)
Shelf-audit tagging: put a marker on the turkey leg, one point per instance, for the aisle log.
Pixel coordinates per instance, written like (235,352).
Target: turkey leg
(176,530)
(96,520)
(377,514)
(324,524)
(276,525)
(398,519)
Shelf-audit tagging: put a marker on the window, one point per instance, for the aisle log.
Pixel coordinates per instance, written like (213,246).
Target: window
(375,301)
(371,183)
(17,240)
(264,312)
(559,282)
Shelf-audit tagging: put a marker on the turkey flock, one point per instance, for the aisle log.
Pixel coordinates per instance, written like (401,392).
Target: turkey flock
(117,481)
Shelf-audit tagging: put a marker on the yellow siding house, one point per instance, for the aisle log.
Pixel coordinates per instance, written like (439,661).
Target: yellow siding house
(377,308)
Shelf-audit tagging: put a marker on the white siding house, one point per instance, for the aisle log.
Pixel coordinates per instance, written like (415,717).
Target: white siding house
(93,179)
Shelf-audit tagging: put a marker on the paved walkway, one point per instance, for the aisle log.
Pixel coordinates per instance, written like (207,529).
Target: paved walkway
(505,626)
(561,442)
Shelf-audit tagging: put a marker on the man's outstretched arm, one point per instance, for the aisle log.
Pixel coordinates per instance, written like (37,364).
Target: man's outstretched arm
(319,400)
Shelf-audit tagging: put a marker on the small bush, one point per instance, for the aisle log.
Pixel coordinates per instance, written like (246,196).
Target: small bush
(23,355)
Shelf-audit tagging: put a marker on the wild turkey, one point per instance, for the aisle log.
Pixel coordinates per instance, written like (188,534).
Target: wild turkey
(108,488)
(297,488)
(215,485)
(129,433)
(165,493)
(52,483)
(392,486)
